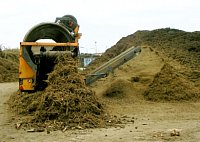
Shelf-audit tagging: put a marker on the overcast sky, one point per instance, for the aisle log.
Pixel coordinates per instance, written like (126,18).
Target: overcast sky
(102,21)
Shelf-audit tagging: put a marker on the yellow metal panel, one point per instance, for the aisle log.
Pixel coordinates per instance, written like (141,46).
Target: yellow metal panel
(25,71)
(28,84)
(26,74)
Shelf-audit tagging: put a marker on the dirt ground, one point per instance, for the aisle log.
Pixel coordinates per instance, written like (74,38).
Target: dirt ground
(145,120)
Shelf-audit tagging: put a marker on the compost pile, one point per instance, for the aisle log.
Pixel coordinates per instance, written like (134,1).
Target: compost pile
(176,48)
(122,45)
(117,89)
(183,49)
(9,65)
(170,85)
(65,104)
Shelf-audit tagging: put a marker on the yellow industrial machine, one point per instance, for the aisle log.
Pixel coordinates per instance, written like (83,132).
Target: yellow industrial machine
(37,58)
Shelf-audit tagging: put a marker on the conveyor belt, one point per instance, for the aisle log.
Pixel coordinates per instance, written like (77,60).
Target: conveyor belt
(112,64)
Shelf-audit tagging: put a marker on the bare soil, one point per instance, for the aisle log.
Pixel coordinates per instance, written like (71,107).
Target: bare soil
(145,120)
(152,122)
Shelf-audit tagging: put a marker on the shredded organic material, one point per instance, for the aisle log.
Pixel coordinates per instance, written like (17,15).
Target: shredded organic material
(65,104)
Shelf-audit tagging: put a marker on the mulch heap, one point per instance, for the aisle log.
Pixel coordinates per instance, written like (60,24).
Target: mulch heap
(9,65)
(170,85)
(9,71)
(66,103)
(118,89)
(171,45)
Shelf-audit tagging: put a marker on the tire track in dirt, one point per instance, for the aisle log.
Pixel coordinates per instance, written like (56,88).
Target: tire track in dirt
(6,89)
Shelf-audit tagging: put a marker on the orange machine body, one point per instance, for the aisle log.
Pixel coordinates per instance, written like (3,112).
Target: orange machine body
(27,69)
